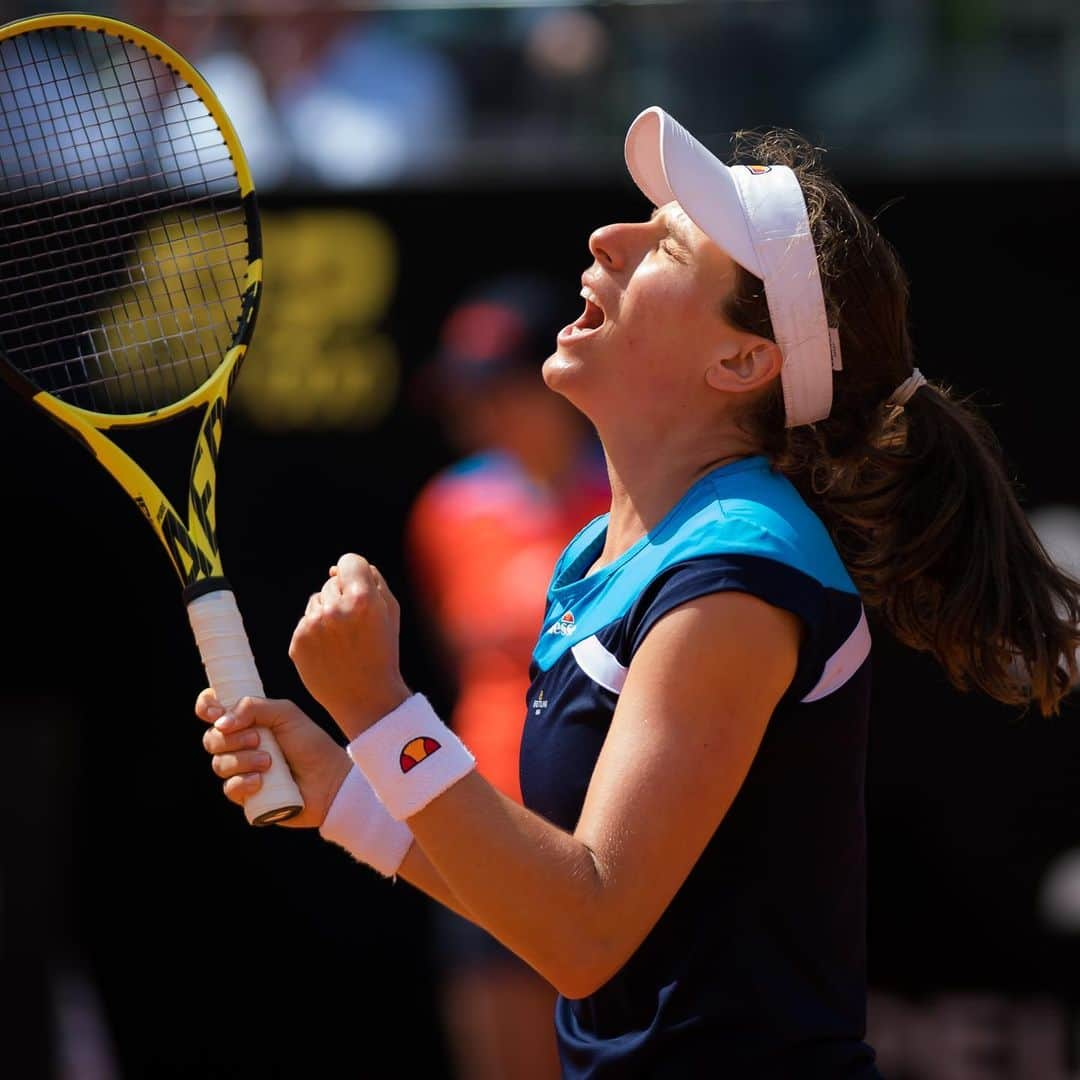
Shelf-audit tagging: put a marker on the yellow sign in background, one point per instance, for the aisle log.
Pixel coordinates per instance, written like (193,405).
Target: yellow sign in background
(320,357)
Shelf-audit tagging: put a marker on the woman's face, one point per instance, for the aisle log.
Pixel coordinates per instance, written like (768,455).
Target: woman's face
(652,322)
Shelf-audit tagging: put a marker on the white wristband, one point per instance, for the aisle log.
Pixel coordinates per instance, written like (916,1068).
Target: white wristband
(410,757)
(358,822)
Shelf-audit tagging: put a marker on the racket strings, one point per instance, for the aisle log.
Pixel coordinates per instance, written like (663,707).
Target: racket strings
(120,378)
(123,270)
(86,262)
(40,128)
(144,279)
(132,322)
(108,188)
(178,89)
(46,172)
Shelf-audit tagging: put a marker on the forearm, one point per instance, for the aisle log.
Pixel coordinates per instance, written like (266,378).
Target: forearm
(530,884)
(359,823)
(418,871)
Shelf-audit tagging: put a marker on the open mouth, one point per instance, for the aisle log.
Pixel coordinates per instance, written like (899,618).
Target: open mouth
(590,320)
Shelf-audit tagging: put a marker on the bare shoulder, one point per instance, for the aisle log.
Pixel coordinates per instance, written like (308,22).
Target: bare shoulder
(724,643)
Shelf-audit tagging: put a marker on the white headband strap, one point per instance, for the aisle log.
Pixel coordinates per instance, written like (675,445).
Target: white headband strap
(780,230)
(903,393)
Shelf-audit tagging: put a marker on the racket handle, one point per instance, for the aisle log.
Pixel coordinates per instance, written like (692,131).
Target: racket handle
(226,655)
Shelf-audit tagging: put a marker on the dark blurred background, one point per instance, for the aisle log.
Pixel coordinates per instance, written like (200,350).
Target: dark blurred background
(403,152)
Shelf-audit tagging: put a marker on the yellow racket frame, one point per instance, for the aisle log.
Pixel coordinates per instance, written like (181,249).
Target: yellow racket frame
(192,546)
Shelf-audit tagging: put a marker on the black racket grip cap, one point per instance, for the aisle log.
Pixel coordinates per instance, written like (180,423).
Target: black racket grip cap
(204,586)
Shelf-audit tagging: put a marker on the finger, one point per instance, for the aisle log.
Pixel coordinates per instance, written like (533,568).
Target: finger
(331,591)
(218,742)
(384,589)
(244,714)
(353,568)
(207,706)
(240,788)
(240,763)
(314,604)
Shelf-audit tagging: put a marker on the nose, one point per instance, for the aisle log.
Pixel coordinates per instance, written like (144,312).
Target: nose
(615,247)
(604,246)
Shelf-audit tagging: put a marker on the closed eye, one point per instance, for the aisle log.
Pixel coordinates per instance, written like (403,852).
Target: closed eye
(671,248)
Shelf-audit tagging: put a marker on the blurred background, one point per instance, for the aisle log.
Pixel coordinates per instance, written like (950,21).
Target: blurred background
(405,153)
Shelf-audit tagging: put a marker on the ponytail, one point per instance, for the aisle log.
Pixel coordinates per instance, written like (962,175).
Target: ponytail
(930,528)
(916,496)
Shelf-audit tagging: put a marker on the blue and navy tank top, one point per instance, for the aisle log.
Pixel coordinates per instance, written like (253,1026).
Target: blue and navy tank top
(757,967)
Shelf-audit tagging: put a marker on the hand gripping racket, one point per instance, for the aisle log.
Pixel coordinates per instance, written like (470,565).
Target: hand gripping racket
(130,274)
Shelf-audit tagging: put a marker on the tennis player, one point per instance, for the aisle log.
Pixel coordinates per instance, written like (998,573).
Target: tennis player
(688,869)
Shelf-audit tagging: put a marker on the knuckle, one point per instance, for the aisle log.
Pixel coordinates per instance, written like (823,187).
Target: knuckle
(358,598)
(224,765)
(247,711)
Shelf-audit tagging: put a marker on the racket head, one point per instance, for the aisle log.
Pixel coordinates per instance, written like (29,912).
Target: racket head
(130,249)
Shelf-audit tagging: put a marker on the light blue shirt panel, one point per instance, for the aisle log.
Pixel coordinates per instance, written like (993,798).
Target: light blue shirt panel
(741,509)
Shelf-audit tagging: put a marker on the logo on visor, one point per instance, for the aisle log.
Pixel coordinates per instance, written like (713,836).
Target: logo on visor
(758,170)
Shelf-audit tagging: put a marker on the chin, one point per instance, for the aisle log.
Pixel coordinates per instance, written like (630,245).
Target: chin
(565,375)
(554,369)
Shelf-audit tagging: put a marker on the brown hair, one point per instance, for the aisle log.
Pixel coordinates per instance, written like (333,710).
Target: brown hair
(917,498)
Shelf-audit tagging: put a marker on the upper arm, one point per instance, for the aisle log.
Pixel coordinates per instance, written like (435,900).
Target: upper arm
(697,698)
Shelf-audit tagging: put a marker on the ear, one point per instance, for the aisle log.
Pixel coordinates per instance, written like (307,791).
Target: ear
(755,362)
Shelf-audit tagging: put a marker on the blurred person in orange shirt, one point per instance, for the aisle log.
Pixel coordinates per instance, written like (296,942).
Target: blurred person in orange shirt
(483,537)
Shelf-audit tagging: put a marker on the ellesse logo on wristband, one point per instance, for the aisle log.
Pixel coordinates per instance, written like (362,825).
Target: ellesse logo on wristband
(416,750)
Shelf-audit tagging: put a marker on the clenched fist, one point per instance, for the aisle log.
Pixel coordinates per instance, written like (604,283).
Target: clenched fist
(345,647)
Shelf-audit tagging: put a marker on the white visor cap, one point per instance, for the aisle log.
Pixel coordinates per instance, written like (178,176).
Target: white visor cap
(757,214)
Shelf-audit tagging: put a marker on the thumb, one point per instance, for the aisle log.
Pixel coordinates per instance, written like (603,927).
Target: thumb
(251,712)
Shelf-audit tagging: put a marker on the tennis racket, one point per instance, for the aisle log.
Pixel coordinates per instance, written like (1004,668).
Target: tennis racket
(130,274)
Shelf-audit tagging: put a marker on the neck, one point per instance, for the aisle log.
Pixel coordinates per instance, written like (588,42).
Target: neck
(648,480)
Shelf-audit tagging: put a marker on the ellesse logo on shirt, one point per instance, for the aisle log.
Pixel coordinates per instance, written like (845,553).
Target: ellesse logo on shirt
(564,626)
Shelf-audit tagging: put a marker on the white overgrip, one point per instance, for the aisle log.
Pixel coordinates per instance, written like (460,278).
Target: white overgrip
(230,667)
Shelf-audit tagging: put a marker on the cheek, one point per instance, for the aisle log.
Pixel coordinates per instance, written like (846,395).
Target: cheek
(664,306)
(665,325)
